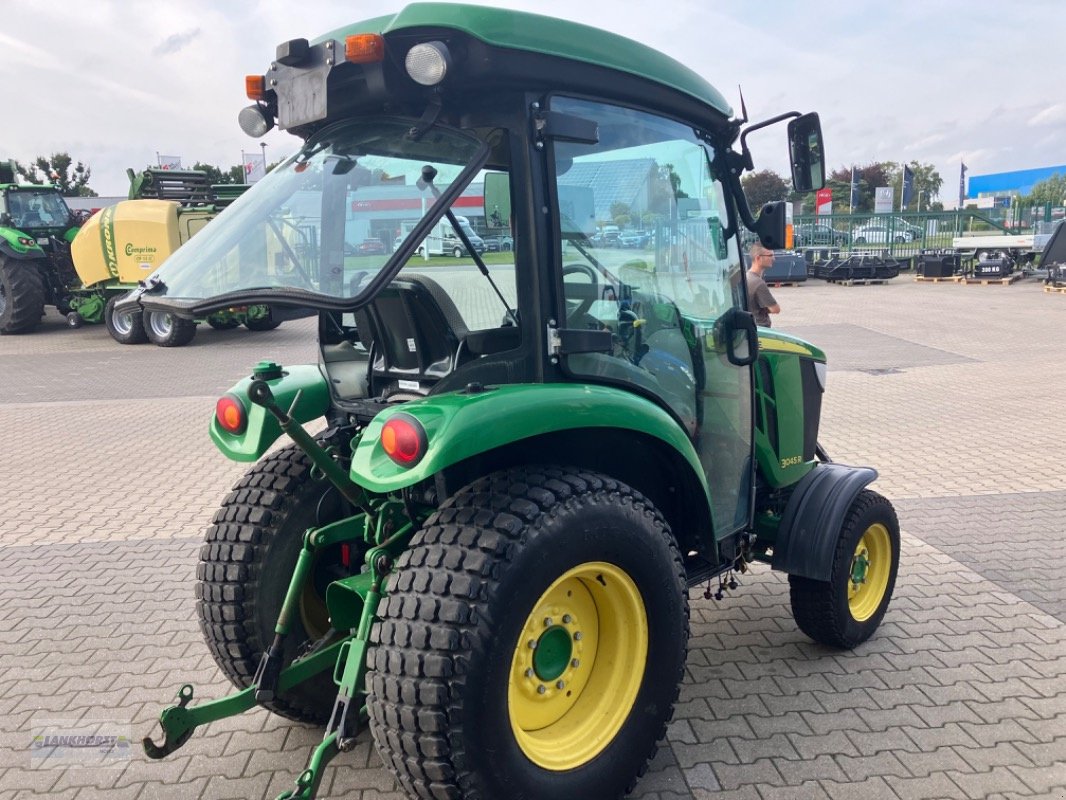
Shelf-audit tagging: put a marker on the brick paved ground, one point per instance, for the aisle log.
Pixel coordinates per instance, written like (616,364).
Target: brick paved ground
(107,478)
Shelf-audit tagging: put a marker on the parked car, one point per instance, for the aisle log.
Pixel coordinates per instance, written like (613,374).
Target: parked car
(874,233)
(635,239)
(819,233)
(909,229)
(499,244)
(371,247)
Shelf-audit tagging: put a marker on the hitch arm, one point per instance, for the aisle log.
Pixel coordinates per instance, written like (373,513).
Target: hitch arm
(260,394)
(178,722)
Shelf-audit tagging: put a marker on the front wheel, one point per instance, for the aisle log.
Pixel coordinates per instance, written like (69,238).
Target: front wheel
(845,610)
(125,328)
(457,252)
(532,641)
(21,296)
(166,330)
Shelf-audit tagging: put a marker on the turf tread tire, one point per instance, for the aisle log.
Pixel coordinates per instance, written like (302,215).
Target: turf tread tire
(437,617)
(817,606)
(251,520)
(24,292)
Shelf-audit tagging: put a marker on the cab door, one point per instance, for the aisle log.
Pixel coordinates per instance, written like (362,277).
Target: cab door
(668,298)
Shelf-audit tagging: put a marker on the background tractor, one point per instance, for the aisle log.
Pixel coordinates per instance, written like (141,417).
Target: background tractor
(36,228)
(521,467)
(44,261)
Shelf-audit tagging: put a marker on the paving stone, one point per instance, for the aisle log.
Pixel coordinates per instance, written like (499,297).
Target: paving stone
(964,685)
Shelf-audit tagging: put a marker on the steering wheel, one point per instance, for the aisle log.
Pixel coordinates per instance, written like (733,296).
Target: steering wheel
(577,307)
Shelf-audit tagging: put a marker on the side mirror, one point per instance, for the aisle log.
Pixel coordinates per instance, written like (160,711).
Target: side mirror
(806,153)
(770,226)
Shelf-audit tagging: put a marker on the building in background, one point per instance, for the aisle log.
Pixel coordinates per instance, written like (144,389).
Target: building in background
(1004,184)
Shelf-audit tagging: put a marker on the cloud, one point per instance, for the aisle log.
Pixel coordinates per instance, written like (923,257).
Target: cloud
(1052,115)
(175,43)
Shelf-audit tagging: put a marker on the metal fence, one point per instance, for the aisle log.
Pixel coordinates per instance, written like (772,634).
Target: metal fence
(899,235)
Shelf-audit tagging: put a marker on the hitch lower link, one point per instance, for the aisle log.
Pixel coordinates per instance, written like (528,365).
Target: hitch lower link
(346,656)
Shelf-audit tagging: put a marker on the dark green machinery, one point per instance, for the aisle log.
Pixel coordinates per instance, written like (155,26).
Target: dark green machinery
(522,466)
(36,229)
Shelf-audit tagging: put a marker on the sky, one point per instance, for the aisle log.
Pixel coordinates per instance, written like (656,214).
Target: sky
(943,82)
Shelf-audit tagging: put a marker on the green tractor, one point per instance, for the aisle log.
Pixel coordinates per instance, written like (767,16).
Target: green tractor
(36,229)
(505,476)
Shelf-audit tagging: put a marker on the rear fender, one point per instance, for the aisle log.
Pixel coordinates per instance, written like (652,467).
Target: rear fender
(263,429)
(462,425)
(810,527)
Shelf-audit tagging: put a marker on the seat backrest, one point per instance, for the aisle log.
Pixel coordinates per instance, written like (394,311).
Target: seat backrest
(412,330)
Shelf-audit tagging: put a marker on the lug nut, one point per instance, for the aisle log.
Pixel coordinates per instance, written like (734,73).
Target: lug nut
(547,622)
(532,644)
(529,673)
(567,619)
(578,636)
(560,685)
(575,663)
(542,689)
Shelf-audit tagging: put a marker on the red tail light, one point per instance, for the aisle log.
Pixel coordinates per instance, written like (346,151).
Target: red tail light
(404,440)
(230,413)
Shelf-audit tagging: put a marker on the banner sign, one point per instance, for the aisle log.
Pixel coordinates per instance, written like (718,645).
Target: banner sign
(883,200)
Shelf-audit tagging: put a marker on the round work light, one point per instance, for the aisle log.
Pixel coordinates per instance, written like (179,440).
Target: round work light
(428,63)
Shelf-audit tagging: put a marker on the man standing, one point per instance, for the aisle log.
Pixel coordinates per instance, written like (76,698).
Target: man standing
(761,302)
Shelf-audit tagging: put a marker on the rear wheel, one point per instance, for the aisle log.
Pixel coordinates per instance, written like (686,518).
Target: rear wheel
(457,252)
(166,330)
(21,296)
(845,610)
(245,566)
(126,327)
(532,642)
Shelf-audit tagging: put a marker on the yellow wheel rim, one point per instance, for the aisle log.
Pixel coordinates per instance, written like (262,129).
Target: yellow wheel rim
(577,666)
(871,565)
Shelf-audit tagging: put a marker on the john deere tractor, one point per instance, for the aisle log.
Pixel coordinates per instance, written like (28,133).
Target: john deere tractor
(504,478)
(36,228)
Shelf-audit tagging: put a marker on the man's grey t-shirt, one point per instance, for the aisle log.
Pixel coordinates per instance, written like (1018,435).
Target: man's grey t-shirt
(759,299)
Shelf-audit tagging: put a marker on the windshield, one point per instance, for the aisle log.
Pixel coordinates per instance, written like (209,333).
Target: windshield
(37,209)
(326,222)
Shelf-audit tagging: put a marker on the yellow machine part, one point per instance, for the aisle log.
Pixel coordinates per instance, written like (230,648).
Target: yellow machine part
(126,242)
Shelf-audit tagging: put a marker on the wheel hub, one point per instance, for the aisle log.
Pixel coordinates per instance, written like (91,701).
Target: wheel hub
(578,664)
(551,657)
(871,565)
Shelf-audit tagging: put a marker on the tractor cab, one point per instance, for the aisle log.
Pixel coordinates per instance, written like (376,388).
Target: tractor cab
(38,211)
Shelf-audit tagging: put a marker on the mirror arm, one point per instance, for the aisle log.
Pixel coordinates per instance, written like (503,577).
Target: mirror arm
(765,123)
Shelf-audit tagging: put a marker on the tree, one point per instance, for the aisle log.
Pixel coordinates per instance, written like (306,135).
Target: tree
(621,214)
(1052,190)
(234,174)
(764,187)
(56,170)
(927,182)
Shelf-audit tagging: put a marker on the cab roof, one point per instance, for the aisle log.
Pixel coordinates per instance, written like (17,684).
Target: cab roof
(547,36)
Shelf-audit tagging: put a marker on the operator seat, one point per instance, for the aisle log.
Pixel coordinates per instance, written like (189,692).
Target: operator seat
(413,332)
